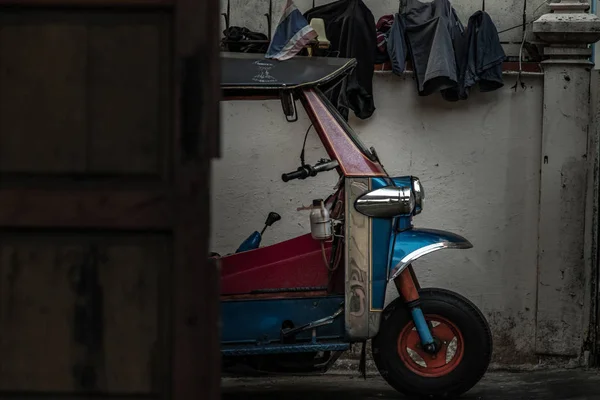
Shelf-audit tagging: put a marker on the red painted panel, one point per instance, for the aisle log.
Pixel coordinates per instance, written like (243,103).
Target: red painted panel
(274,296)
(294,263)
(336,141)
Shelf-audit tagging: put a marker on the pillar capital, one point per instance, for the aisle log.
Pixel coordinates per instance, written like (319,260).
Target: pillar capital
(568,31)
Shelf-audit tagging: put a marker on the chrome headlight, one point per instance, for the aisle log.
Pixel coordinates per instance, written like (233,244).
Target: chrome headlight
(387,202)
(419,193)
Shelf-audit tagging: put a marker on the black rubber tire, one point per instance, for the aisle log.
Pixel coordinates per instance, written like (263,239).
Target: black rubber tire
(477,346)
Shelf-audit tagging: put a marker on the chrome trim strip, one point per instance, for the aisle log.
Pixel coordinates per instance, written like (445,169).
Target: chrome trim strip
(357,263)
(409,258)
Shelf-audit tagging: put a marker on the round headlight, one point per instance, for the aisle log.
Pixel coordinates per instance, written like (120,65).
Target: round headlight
(387,202)
(419,192)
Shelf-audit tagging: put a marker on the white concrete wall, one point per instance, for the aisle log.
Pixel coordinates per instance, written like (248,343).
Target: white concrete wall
(479,160)
(505,13)
(480,163)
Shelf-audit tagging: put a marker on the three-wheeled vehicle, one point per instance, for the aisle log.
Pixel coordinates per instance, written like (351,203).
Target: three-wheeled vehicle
(297,305)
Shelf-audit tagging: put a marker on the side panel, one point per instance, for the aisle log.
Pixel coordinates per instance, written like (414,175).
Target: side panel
(295,263)
(380,253)
(260,321)
(358,262)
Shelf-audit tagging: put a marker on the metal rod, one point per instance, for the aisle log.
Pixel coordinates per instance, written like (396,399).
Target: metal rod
(506,72)
(259,41)
(227,14)
(227,41)
(593,11)
(314,324)
(269,19)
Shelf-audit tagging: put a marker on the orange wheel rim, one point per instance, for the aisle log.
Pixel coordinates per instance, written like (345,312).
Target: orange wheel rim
(448,357)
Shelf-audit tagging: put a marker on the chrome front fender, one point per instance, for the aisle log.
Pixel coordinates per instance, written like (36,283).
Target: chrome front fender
(413,244)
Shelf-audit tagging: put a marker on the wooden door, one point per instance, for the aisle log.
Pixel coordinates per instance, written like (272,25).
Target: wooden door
(108,121)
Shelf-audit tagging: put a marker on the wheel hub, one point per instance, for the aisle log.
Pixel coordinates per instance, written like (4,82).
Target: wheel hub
(432,348)
(437,359)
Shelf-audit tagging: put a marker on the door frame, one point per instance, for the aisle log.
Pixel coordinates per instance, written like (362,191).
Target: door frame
(194,354)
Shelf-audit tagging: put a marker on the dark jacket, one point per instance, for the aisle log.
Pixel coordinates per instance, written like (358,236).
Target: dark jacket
(445,57)
(483,62)
(350,28)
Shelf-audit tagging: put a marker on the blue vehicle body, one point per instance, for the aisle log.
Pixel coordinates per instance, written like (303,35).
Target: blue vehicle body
(295,306)
(252,327)
(251,243)
(396,239)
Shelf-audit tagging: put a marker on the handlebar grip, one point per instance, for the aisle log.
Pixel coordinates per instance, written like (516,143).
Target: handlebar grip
(301,173)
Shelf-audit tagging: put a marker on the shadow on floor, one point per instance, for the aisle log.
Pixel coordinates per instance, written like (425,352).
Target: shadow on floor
(548,385)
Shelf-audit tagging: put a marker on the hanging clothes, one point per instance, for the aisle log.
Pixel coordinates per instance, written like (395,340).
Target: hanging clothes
(479,58)
(383,28)
(485,55)
(445,57)
(396,45)
(431,30)
(350,27)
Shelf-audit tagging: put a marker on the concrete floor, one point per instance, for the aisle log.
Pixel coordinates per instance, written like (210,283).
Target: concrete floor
(543,385)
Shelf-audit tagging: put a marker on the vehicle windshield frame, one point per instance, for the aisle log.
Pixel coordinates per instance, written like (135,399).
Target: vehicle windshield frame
(346,127)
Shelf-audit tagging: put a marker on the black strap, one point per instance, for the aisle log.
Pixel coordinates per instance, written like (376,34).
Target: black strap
(304,146)
(482,5)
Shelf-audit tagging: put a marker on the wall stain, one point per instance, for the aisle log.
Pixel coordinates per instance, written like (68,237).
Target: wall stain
(509,349)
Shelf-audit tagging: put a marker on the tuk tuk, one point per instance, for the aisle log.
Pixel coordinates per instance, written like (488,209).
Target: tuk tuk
(296,306)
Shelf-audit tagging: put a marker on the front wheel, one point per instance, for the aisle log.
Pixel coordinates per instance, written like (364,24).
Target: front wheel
(464,341)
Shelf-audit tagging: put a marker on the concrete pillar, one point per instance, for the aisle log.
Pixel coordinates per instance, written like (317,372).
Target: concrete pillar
(591,243)
(567,32)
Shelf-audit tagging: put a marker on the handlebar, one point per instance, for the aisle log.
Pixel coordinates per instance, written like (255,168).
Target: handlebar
(307,170)
(301,173)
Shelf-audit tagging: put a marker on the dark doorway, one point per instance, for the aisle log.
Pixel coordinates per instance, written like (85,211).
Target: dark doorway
(108,121)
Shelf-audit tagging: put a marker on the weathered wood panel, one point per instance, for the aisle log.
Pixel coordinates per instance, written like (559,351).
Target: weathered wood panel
(42,95)
(134,310)
(36,313)
(107,300)
(101,208)
(81,312)
(127,119)
(84,93)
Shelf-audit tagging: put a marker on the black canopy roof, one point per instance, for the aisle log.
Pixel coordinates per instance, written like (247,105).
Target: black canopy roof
(245,72)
